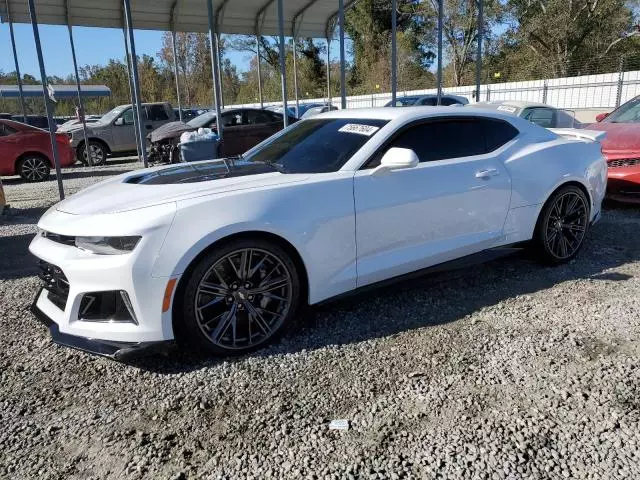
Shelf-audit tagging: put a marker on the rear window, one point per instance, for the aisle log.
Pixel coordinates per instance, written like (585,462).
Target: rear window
(316,145)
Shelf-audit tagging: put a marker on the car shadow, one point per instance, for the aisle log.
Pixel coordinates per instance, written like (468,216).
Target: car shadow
(433,299)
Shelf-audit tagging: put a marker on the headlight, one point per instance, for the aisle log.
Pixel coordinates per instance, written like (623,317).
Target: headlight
(107,245)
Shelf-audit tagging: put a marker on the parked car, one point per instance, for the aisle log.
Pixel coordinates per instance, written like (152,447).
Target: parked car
(223,254)
(243,128)
(278,109)
(26,151)
(39,121)
(313,111)
(114,132)
(541,114)
(621,147)
(428,100)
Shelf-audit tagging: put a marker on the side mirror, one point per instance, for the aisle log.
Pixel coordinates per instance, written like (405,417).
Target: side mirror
(601,117)
(119,122)
(396,159)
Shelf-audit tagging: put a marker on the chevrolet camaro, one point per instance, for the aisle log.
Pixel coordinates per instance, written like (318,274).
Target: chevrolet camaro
(223,254)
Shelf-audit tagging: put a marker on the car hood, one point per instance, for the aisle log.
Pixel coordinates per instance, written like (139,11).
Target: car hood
(78,127)
(621,137)
(170,130)
(155,186)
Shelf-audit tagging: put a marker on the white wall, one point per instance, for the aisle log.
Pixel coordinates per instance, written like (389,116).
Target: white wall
(591,93)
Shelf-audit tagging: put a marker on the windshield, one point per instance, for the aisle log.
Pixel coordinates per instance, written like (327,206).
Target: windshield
(113,114)
(202,120)
(627,113)
(316,145)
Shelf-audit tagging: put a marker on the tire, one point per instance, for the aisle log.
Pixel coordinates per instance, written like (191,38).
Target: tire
(230,310)
(99,154)
(562,226)
(34,168)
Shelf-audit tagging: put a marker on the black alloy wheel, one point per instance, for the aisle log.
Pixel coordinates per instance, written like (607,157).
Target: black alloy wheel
(563,225)
(241,297)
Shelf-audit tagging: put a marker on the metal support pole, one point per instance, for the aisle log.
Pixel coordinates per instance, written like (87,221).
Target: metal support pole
(220,82)
(214,67)
(295,78)
(620,82)
(394,66)
(136,131)
(87,146)
(328,72)
(175,72)
(479,55)
(259,73)
(45,93)
(15,60)
(343,86)
(439,78)
(136,81)
(283,65)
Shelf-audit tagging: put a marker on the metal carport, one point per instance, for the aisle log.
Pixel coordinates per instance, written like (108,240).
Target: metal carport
(309,18)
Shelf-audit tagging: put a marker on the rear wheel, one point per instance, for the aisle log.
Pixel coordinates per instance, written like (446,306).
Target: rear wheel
(562,226)
(240,297)
(98,154)
(34,168)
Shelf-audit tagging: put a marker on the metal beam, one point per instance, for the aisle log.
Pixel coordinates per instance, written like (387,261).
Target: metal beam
(136,131)
(175,57)
(479,54)
(15,60)
(45,93)
(329,97)
(220,70)
(283,65)
(294,34)
(394,65)
(259,73)
(214,67)
(439,77)
(343,86)
(87,146)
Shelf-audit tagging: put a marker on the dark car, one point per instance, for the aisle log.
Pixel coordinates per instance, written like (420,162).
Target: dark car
(38,121)
(243,128)
(428,100)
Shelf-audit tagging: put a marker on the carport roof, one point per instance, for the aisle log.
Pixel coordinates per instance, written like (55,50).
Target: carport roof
(312,17)
(59,91)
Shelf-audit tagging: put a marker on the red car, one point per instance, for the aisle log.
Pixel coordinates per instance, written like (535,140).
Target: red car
(621,147)
(26,151)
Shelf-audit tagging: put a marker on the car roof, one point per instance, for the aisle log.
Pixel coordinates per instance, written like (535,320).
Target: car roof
(510,103)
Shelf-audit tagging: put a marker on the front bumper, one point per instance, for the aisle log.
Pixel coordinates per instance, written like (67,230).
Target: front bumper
(111,349)
(623,184)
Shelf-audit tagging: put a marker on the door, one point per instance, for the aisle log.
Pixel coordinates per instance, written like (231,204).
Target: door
(9,149)
(452,204)
(260,125)
(124,136)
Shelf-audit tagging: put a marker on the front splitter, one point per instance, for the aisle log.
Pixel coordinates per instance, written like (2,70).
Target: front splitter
(115,350)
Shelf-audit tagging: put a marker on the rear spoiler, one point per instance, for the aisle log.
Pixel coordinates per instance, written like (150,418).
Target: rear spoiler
(578,134)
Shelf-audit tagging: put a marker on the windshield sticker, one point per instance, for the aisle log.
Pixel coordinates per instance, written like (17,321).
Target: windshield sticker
(507,108)
(360,129)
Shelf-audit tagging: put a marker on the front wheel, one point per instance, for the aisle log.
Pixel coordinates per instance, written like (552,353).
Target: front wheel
(240,297)
(562,226)
(97,157)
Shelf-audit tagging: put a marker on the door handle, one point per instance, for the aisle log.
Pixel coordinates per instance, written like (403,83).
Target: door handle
(488,173)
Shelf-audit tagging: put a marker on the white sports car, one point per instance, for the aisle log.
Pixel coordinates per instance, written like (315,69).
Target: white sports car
(224,253)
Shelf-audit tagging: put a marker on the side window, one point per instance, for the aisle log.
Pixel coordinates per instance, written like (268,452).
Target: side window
(127,116)
(497,133)
(232,119)
(256,117)
(429,101)
(157,113)
(541,116)
(440,140)
(446,101)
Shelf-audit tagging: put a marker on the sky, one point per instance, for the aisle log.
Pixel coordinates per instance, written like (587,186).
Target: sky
(93,46)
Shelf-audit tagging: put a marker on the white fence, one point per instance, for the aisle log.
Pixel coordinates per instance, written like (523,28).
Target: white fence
(603,91)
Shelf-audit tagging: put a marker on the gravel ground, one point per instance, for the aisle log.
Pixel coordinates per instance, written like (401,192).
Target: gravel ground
(502,370)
